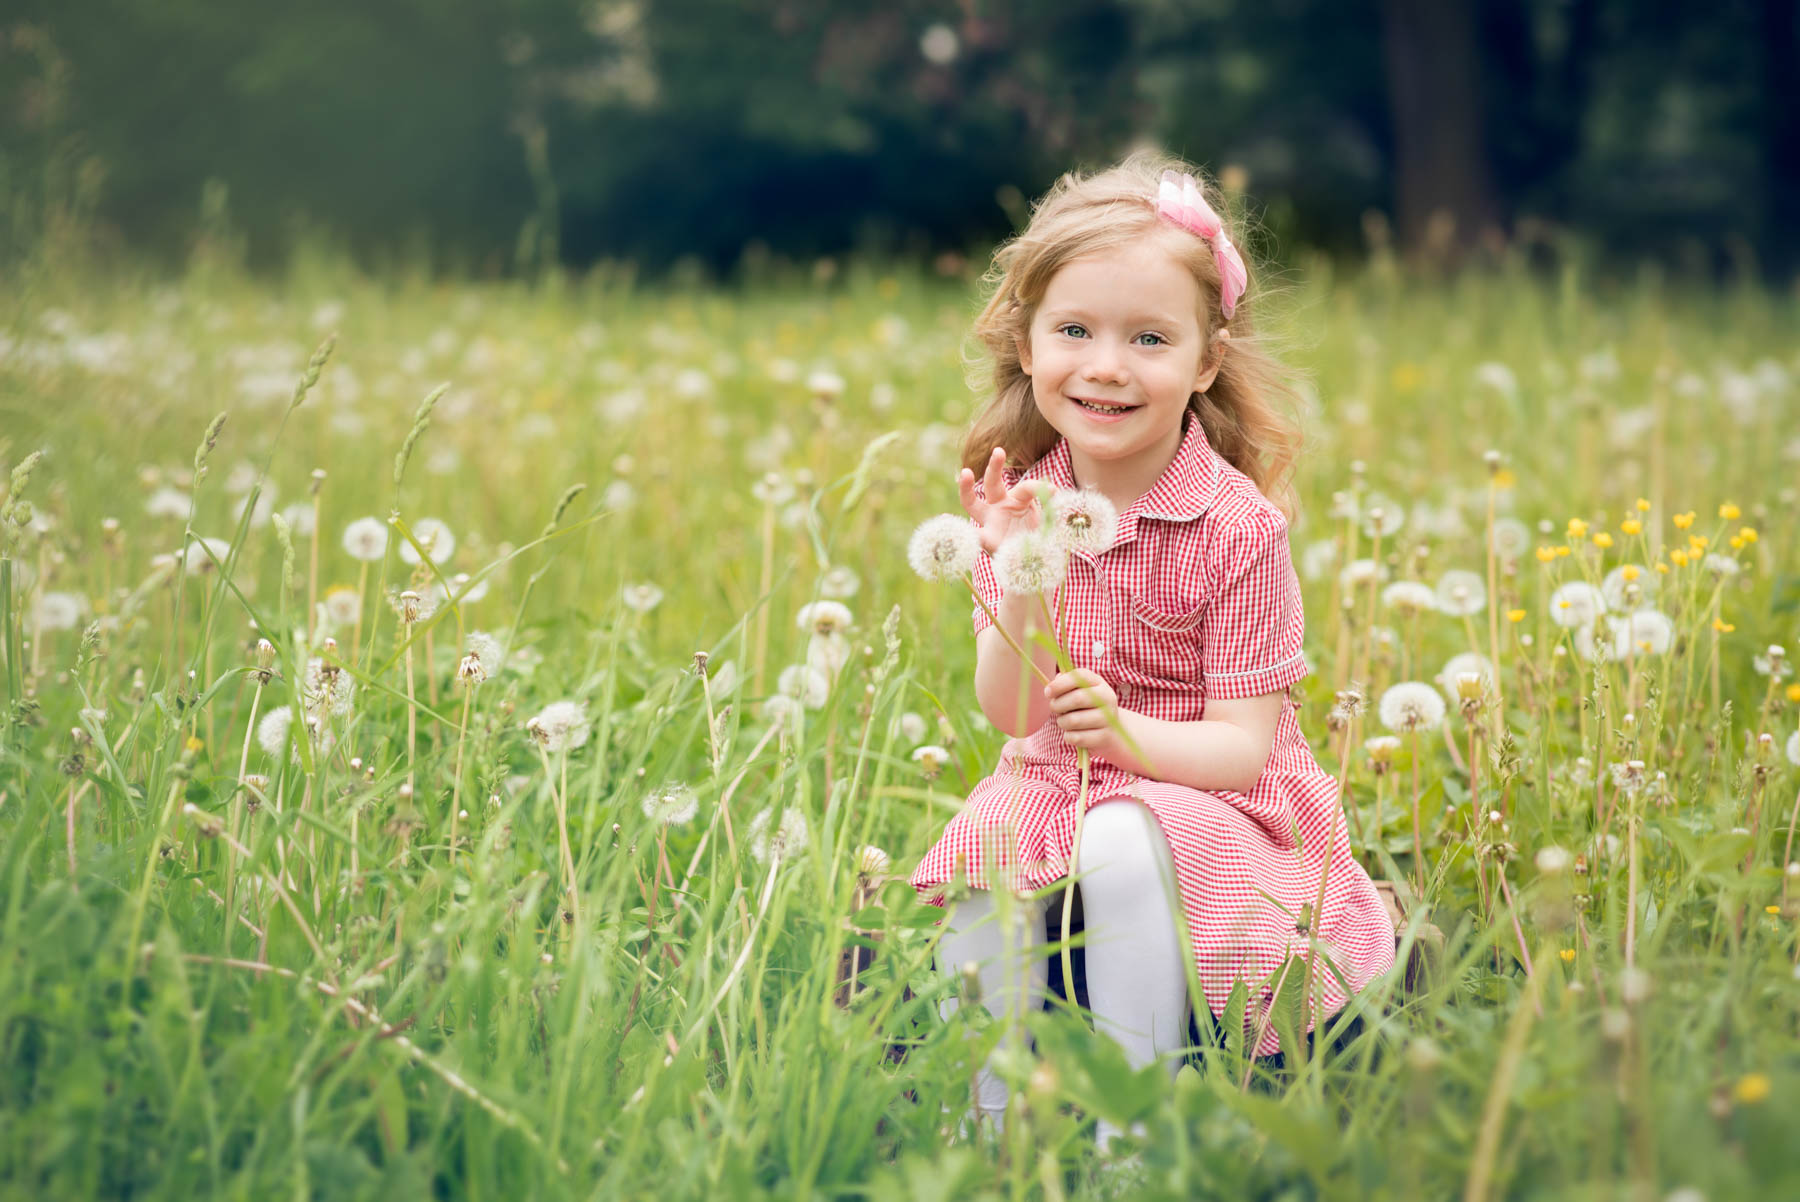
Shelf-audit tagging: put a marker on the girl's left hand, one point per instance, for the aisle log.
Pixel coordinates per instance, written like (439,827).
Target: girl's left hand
(1086,709)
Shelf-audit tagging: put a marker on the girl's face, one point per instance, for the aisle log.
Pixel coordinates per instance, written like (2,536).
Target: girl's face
(1115,350)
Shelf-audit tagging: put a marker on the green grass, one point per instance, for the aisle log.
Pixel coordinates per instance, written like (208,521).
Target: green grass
(430,1022)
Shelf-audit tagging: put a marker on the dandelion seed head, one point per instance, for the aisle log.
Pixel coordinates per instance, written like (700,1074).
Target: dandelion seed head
(272,730)
(1030,562)
(1086,519)
(943,547)
(871,860)
(784,838)
(1409,598)
(805,684)
(671,805)
(825,617)
(1576,604)
(366,539)
(1460,591)
(641,598)
(1456,666)
(1411,705)
(560,726)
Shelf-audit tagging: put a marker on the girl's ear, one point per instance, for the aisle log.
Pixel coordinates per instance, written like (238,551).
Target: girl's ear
(1215,358)
(1024,345)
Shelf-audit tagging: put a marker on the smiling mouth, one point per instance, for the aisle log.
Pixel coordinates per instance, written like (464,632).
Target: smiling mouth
(1096,407)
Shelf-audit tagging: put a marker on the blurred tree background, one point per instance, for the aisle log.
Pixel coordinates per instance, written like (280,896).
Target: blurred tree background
(498,135)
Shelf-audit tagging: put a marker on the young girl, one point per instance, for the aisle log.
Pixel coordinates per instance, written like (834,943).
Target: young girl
(1125,362)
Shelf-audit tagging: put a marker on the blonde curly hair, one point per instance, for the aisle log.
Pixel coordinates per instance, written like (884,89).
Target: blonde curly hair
(1243,414)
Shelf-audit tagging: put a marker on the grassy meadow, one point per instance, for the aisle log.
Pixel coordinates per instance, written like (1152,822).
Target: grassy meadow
(371,826)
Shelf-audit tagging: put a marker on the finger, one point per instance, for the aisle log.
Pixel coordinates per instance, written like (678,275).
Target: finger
(965,491)
(993,483)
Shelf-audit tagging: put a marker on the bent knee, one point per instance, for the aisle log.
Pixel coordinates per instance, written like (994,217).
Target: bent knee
(1123,836)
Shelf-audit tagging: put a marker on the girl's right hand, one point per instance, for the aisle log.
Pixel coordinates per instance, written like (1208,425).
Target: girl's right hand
(997,519)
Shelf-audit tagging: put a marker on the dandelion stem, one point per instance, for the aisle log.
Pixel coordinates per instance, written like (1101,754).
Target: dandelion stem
(562,835)
(236,807)
(462,739)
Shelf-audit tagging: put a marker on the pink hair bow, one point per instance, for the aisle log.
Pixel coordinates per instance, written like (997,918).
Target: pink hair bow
(1178,198)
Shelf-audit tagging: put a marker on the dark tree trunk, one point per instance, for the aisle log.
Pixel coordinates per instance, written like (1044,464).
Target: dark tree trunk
(1443,183)
(1781,136)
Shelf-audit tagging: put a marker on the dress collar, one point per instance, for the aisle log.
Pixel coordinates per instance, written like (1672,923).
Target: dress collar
(1182,493)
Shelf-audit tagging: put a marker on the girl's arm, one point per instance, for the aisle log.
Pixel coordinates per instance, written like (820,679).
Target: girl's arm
(1226,751)
(1000,678)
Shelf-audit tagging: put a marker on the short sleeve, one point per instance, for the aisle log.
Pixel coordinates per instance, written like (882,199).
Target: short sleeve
(1254,626)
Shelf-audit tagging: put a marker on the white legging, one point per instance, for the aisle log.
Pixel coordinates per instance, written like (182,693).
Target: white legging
(1136,975)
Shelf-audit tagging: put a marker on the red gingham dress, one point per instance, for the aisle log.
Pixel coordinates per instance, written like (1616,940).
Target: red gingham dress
(1196,598)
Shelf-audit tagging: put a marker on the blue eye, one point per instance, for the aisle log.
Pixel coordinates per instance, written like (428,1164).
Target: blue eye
(1159,338)
(1071,326)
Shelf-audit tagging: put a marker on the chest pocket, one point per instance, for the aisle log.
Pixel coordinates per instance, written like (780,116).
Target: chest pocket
(1160,643)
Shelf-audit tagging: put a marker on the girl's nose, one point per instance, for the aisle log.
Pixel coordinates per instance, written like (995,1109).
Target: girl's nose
(1104,363)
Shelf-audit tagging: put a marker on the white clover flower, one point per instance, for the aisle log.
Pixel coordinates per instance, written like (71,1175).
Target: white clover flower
(167,502)
(805,684)
(1030,561)
(560,726)
(671,805)
(871,860)
(784,839)
(272,730)
(1085,519)
(58,611)
(1510,538)
(1620,585)
(1409,597)
(824,617)
(1642,632)
(828,653)
(943,547)
(839,583)
(1411,705)
(913,728)
(434,536)
(642,598)
(1460,591)
(1576,604)
(1467,661)
(366,539)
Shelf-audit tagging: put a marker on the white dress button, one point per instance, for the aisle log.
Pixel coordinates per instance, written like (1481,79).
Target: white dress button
(1099,649)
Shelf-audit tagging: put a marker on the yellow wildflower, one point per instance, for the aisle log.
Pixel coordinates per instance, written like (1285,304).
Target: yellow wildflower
(1678,557)
(1577,528)
(1631,526)
(1729,512)
(1562,552)
(194,744)
(1771,909)
(1406,377)
(1735,543)
(1515,615)
(1747,533)
(1630,571)
(1602,539)
(1698,541)
(1751,1088)
(1546,554)
(1793,693)
(1663,568)
(1643,506)
(1724,627)
(1504,478)
(1568,955)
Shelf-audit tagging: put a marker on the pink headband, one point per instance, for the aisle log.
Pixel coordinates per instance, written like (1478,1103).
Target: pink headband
(1178,198)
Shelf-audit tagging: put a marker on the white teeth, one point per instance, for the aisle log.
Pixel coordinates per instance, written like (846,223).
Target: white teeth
(1104,408)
